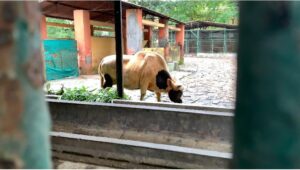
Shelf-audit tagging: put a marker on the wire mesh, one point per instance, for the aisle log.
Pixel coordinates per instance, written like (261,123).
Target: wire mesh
(210,41)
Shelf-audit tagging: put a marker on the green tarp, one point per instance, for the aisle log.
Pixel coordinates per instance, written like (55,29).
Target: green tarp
(60,59)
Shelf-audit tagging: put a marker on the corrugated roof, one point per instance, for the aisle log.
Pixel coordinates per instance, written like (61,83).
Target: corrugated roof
(203,24)
(99,10)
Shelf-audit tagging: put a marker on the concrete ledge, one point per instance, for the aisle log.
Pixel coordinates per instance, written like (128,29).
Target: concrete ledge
(50,96)
(137,152)
(203,129)
(174,105)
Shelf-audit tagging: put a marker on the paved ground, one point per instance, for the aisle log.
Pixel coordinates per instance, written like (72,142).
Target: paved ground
(209,80)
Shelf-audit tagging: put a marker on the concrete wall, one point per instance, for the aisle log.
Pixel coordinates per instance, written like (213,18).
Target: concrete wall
(101,47)
(104,46)
(158,50)
(174,53)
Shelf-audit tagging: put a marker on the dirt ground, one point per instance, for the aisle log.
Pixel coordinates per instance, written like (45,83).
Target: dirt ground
(62,164)
(208,80)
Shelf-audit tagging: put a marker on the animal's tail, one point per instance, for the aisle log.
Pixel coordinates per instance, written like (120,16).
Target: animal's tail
(100,74)
(99,67)
(108,81)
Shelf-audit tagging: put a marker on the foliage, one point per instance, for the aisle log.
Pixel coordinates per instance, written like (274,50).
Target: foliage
(60,32)
(68,33)
(222,11)
(83,94)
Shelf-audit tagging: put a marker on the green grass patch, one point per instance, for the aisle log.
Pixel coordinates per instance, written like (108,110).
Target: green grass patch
(83,94)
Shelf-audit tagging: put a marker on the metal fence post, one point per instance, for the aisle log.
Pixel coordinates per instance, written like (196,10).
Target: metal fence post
(212,42)
(197,41)
(267,118)
(118,39)
(187,51)
(225,41)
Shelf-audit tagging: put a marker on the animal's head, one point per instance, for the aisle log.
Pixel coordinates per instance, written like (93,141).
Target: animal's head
(175,91)
(164,81)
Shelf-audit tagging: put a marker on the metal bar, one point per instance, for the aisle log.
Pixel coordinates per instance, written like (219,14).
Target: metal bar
(192,31)
(197,41)
(217,30)
(200,41)
(267,115)
(118,38)
(225,41)
(212,43)
(187,47)
(137,152)
(207,129)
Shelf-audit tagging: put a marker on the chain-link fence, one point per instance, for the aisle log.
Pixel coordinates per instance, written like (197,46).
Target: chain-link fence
(203,41)
(210,41)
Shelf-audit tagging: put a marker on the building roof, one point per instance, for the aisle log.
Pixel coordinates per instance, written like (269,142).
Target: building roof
(204,24)
(99,10)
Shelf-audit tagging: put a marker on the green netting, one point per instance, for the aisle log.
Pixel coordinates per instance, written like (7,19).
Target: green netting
(60,59)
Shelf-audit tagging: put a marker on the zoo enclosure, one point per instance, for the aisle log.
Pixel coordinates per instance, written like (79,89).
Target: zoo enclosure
(87,22)
(208,37)
(210,41)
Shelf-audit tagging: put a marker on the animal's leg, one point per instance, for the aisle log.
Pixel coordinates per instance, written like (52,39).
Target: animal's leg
(142,96)
(158,94)
(108,81)
(143,91)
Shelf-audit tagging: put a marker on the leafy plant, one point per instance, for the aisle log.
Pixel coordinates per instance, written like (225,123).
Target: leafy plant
(60,32)
(83,94)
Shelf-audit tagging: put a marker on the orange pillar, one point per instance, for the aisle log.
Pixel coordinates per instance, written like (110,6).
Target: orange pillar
(163,38)
(83,38)
(134,30)
(148,35)
(180,40)
(43,27)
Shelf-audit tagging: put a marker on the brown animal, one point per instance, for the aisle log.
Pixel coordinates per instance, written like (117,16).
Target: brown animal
(144,71)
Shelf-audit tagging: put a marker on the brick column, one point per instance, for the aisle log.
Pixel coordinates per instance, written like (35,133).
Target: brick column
(43,28)
(180,40)
(163,38)
(83,38)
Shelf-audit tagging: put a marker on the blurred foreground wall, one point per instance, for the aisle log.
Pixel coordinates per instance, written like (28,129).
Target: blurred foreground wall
(24,116)
(267,118)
